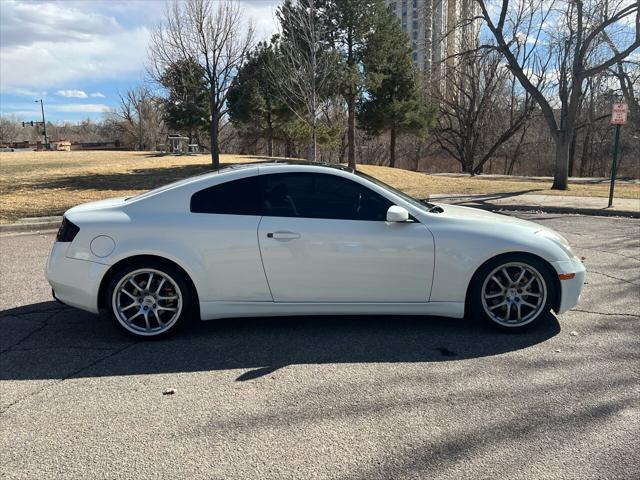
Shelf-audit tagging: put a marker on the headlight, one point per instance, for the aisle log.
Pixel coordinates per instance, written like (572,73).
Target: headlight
(558,240)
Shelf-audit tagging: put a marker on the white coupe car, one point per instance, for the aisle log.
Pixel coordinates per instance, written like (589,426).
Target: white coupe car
(268,239)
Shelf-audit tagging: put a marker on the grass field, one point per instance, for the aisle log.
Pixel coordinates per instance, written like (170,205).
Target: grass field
(47,183)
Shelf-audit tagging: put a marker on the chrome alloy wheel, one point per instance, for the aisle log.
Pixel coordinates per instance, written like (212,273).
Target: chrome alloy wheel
(514,294)
(147,302)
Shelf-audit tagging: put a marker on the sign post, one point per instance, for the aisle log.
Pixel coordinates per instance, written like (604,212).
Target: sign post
(618,118)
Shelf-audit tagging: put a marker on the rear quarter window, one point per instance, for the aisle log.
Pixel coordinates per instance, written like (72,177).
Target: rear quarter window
(236,197)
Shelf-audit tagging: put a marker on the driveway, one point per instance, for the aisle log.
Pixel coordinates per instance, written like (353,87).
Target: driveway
(326,397)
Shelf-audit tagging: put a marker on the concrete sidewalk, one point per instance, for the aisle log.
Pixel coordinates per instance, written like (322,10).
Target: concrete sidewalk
(534,178)
(623,207)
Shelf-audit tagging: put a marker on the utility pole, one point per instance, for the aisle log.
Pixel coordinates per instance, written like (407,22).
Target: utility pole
(44,124)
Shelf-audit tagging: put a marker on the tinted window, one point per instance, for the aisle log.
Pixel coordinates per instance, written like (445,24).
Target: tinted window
(237,197)
(316,195)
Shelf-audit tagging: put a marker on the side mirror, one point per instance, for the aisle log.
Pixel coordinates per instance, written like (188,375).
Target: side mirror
(397,214)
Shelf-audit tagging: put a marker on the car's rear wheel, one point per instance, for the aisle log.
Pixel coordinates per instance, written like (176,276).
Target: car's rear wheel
(512,292)
(148,300)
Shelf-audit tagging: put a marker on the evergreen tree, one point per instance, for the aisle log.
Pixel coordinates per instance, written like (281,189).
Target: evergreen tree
(254,106)
(187,106)
(307,65)
(392,101)
(350,22)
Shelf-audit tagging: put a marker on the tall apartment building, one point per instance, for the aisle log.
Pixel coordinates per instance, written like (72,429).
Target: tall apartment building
(437,31)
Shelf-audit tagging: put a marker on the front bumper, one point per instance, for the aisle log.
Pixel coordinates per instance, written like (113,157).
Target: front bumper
(570,290)
(74,282)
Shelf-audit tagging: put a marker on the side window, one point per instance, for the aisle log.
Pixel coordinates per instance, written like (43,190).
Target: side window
(237,197)
(317,195)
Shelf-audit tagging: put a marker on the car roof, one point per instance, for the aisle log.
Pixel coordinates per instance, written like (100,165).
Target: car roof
(285,162)
(269,165)
(236,167)
(302,163)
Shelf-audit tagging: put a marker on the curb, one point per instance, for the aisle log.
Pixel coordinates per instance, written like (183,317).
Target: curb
(34,226)
(593,212)
(482,204)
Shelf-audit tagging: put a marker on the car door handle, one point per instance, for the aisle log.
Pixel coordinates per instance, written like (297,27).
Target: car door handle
(283,235)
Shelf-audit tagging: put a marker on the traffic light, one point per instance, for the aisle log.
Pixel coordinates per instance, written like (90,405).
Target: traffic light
(24,124)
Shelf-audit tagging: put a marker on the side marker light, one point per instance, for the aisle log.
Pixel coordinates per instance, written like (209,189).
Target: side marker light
(567,276)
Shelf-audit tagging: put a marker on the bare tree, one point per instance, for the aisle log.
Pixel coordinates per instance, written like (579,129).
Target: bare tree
(570,35)
(305,67)
(480,111)
(139,117)
(211,34)
(9,129)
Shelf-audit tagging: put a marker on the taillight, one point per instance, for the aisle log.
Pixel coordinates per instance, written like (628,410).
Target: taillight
(67,231)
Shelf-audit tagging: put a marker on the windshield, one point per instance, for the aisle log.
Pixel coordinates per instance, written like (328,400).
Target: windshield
(423,205)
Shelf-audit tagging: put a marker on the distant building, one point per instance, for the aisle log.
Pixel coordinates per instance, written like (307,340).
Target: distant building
(437,31)
(60,145)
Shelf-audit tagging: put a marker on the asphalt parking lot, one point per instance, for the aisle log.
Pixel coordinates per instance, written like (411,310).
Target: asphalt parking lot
(326,397)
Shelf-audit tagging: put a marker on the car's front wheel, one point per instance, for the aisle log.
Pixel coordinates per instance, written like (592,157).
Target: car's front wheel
(148,300)
(512,292)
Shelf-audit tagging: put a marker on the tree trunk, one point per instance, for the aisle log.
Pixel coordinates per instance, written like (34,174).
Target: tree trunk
(392,148)
(572,152)
(215,151)
(416,162)
(314,100)
(343,148)
(585,149)
(312,144)
(351,128)
(140,144)
(269,135)
(351,106)
(561,169)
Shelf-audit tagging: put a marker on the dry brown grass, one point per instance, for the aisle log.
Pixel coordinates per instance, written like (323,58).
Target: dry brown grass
(421,185)
(47,183)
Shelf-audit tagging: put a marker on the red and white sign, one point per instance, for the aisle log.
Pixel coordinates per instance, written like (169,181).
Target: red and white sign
(619,113)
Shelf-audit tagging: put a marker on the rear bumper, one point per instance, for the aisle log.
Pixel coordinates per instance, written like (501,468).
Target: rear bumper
(74,282)
(570,290)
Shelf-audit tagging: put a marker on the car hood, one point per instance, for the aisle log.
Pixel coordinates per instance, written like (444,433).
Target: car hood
(458,212)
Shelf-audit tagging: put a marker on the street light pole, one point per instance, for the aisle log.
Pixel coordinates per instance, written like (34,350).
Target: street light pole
(44,124)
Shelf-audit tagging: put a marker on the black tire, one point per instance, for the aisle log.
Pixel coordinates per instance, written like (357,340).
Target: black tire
(478,308)
(175,282)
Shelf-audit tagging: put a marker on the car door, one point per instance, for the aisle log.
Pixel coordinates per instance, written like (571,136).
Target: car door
(324,238)
(222,230)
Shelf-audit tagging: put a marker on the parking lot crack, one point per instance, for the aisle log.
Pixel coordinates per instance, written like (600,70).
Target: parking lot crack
(42,326)
(606,313)
(69,376)
(99,360)
(608,252)
(65,347)
(613,278)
